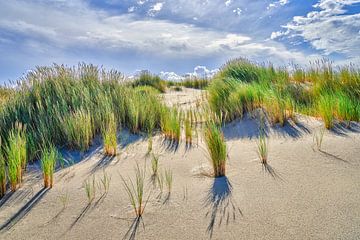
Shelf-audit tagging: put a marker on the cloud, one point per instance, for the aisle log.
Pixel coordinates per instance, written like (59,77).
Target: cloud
(277,4)
(330,29)
(199,72)
(43,23)
(155,8)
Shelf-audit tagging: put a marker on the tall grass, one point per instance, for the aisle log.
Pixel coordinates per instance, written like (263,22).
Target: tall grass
(109,134)
(16,155)
(320,90)
(48,161)
(147,79)
(2,176)
(78,128)
(216,147)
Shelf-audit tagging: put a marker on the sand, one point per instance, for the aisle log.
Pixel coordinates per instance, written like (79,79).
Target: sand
(303,194)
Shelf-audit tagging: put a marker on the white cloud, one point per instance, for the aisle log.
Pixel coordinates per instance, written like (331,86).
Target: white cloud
(155,8)
(228,2)
(328,29)
(277,4)
(237,11)
(199,72)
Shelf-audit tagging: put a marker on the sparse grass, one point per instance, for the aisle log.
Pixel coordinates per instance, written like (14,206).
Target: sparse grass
(155,165)
(90,189)
(216,147)
(136,192)
(48,162)
(318,137)
(109,134)
(64,199)
(105,182)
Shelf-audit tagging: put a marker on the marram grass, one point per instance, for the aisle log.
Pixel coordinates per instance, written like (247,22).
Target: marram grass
(216,147)
(48,162)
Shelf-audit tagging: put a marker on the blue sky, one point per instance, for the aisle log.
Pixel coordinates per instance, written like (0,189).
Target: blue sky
(175,36)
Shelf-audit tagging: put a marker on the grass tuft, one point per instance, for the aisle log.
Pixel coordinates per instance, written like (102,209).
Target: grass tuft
(216,147)
(48,162)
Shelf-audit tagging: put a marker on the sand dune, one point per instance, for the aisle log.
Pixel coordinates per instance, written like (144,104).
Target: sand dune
(302,194)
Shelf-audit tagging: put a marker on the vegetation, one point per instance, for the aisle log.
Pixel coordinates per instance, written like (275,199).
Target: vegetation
(216,147)
(48,162)
(147,79)
(318,138)
(242,86)
(263,148)
(2,176)
(109,134)
(155,165)
(105,183)
(90,189)
(136,190)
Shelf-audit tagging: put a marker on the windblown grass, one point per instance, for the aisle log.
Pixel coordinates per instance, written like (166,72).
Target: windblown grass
(147,79)
(90,189)
(216,147)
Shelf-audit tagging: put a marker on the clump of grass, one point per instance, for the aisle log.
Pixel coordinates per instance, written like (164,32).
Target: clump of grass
(109,131)
(326,110)
(16,155)
(168,179)
(216,147)
(2,176)
(263,149)
(78,128)
(346,109)
(90,189)
(48,162)
(318,138)
(136,192)
(188,128)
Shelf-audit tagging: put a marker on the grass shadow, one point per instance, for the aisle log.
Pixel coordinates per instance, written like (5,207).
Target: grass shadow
(131,233)
(170,145)
(81,215)
(333,156)
(102,163)
(342,129)
(24,210)
(220,203)
(5,198)
(271,171)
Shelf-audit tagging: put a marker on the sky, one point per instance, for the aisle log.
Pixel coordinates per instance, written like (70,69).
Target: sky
(175,37)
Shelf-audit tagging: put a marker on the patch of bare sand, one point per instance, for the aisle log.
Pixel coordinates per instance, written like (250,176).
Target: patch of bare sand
(308,194)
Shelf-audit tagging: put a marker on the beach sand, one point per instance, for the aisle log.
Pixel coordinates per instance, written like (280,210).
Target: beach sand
(303,193)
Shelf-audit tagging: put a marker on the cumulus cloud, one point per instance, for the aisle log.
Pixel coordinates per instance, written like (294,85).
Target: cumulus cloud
(199,72)
(330,29)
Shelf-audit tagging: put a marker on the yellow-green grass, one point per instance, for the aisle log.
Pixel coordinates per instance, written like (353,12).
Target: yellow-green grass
(48,162)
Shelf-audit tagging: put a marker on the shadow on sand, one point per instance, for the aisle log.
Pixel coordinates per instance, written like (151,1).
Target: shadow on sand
(131,233)
(249,127)
(342,129)
(220,203)
(24,210)
(170,145)
(271,171)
